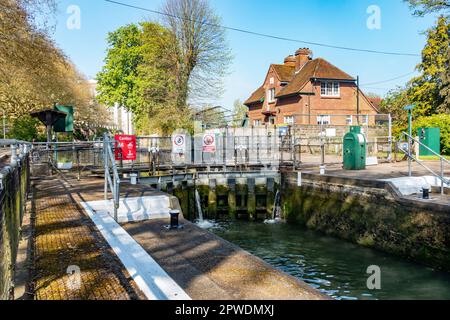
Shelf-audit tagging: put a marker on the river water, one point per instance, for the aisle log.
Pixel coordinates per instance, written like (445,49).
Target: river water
(335,267)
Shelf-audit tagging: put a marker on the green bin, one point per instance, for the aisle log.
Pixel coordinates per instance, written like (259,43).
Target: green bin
(354,149)
(430,137)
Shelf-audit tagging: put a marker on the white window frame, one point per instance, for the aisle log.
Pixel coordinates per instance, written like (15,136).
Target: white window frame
(324,119)
(257,123)
(289,120)
(365,119)
(349,120)
(330,89)
(271,95)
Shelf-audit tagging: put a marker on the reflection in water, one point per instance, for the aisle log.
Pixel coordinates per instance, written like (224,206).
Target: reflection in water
(337,268)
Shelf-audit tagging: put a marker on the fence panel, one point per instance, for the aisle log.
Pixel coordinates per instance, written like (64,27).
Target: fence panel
(13,195)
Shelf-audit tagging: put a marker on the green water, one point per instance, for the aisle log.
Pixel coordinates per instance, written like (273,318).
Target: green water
(337,268)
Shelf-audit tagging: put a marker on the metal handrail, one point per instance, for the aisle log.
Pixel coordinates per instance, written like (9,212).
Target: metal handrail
(113,182)
(440,176)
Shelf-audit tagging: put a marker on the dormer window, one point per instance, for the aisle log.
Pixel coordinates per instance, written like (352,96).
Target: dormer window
(271,95)
(330,89)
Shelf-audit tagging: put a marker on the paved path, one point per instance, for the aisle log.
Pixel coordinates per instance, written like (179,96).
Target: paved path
(204,265)
(64,237)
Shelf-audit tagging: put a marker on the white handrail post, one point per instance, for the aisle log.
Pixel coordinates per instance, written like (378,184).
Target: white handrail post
(105,163)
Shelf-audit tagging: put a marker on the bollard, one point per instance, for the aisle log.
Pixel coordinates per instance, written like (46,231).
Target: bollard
(426,193)
(322,170)
(174,222)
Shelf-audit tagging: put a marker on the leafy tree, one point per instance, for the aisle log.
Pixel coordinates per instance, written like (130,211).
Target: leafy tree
(240,112)
(34,73)
(445,88)
(441,121)
(393,103)
(25,128)
(118,79)
(423,7)
(425,90)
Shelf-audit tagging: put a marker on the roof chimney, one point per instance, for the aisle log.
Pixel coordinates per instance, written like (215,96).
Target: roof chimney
(290,61)
(302,56)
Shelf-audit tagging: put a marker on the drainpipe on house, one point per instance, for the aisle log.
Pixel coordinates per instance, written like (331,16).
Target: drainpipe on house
(357,98)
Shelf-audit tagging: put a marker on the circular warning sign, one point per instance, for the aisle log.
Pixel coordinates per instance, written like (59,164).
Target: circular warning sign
(179,144)
(209,143)
(179,140)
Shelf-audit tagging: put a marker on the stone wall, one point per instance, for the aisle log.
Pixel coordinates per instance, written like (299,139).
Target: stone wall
(371,214)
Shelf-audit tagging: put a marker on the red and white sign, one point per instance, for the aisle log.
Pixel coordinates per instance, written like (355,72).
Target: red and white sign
(125,147)
(209,143)
(179,144)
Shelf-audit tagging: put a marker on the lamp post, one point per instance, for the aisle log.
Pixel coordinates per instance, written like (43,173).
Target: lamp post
(409,108)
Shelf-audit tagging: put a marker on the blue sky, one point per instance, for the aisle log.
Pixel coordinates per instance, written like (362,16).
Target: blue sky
(335,22)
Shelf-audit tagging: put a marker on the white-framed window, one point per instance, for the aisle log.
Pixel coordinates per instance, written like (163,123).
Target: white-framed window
(323,119)
(349,120)
(365,119)
(271,80)
(271,95)
(256,123)
(289,120)
(330,89)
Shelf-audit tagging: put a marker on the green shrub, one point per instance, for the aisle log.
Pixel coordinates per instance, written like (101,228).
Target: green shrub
(25,128)
(441,121)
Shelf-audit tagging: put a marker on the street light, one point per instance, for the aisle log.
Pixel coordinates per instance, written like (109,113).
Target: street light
(409,108)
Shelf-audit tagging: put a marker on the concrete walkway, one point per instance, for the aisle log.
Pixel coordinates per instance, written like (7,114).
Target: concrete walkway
(66,241)
(202,264)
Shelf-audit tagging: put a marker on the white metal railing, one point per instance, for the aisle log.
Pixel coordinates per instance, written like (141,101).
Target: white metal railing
(112,178)
(411,157)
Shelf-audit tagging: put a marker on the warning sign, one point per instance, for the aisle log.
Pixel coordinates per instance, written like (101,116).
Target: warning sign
(209,143)
(125,147)
(179,144)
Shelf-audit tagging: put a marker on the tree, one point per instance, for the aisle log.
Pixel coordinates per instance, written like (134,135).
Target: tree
(118,79)
(393,103)
(201,49)
(140,75)
(444,107)
(240,112)
(423,7)
(425,90)
(34,73)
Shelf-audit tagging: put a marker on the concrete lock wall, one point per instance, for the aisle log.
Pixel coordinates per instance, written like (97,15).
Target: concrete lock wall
(226,197)
(368,214)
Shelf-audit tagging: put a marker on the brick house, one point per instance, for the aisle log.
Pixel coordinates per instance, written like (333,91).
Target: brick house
(308,91)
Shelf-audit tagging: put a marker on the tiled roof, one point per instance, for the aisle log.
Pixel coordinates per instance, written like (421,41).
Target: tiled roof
(284,72)
(256,96)
(317,68)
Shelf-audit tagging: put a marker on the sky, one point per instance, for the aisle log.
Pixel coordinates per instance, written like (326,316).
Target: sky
(332,22)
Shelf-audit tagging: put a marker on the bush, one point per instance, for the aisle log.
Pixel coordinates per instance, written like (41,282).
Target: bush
(25,128)
(441,121)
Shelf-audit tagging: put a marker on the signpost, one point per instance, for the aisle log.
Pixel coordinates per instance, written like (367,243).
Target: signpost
(179,144)
(125,147)
(209,143)
(409,109)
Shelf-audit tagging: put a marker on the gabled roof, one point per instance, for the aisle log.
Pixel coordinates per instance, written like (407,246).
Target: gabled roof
(256,96)
(284,72)
(314,69)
